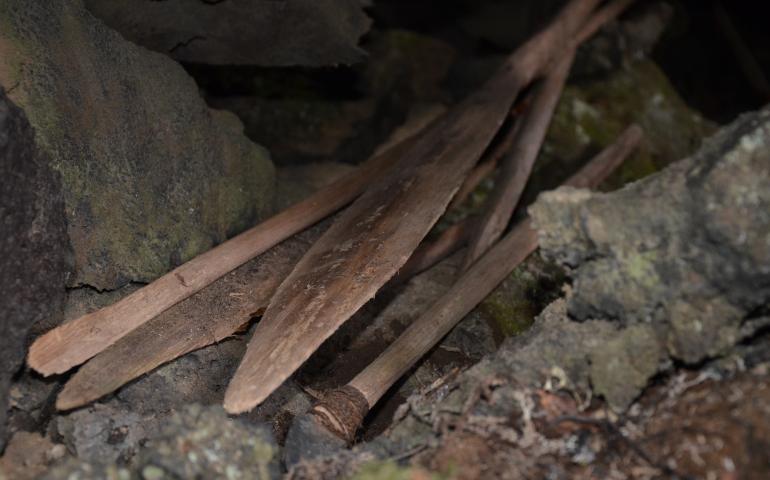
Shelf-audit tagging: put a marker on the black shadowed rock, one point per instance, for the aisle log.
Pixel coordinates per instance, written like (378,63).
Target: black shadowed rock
(309,33)
(34,252)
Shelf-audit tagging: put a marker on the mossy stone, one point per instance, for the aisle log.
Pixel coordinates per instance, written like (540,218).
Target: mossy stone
(151,176)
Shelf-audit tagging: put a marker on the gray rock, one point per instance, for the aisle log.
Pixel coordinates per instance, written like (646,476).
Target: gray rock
(202,442)
(680,258)
(309,440)
(107,432)
(151,176)
(243,32)
(33,244)
(195,442)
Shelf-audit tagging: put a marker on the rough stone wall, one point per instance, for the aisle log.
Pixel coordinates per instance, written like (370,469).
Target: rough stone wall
(151,175)
(34,251)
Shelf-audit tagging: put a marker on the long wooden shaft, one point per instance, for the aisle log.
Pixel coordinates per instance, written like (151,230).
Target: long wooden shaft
(476,284)
(342,410)
(517,165)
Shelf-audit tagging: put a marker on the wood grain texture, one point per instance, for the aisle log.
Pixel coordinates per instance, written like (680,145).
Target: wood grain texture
(209,316)
(517,164)
(476,283)
(374,237)
(75,342)
(212,314)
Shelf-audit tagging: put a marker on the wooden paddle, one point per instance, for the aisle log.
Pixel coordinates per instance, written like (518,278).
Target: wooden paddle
(376,235)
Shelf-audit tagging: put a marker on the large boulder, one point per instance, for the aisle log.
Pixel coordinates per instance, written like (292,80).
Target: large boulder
(151,175)
(34,251)
(679,261)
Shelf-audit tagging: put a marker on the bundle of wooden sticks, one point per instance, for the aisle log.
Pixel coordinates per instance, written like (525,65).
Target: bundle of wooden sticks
(385,209)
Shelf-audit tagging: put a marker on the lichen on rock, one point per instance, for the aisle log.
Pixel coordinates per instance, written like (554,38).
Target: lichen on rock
(196,442)
(151,176)
(678,260)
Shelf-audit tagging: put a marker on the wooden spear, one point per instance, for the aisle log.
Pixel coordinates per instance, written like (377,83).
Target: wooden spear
(373,238)
(342,410)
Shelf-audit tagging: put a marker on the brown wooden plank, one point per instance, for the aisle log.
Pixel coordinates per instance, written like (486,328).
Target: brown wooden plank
(372,239)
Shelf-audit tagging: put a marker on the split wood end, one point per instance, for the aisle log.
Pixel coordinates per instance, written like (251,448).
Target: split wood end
(342,411)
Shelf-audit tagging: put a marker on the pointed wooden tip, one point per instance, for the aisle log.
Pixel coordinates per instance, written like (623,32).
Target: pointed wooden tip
(69,399)
(247,391)
(51,354)
(84,388)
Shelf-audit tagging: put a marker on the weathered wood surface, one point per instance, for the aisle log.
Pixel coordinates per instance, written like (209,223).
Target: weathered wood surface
(373,238)
(209,316)
(469,290)
(517,165)
(75,342)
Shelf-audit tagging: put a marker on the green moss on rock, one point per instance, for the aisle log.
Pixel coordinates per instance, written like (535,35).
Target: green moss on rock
(591,114)
(387,470)
(513,305)
(151,175)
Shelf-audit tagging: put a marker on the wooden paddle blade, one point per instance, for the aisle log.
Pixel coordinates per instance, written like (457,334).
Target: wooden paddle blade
(360,252)
(208,317)
(376,235)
